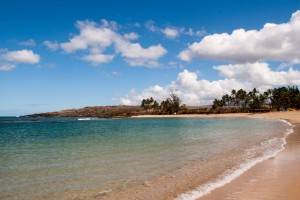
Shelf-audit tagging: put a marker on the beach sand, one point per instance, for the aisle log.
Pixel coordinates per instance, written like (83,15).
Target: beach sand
(276,178)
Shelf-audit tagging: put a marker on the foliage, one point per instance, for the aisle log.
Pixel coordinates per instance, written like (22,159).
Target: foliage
(171,105)
(277,99)
(150,104)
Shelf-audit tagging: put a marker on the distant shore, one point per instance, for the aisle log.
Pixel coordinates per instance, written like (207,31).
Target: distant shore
(276,178)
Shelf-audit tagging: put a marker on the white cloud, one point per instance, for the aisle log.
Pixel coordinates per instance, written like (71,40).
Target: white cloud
(7,66)
(11,58)
(280,42)
(133,98)
(259,74)
(51,45)
(97,59)
(170,33)
(29,42)
(91,35)
(187,86)
(136,55)
(131,36)
(194,91)
(21,56)
(96,39)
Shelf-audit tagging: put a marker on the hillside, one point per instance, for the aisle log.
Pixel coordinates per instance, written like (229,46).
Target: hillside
(95,111)
(116,111)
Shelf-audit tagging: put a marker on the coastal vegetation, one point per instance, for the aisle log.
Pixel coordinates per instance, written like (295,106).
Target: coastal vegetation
(277,99)
(238,101)
(171,105)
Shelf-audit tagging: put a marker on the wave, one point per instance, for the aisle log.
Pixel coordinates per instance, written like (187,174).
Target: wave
(90,119)
(250,161)
(84,119)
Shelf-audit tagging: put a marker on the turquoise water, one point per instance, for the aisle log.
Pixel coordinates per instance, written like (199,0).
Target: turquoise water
(70,158)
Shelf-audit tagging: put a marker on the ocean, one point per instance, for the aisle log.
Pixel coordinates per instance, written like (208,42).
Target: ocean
(74,158)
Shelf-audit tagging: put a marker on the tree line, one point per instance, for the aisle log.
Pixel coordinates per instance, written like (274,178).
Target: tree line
(277,99)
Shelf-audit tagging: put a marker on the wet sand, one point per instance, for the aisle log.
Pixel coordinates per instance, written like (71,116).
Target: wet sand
(275,179)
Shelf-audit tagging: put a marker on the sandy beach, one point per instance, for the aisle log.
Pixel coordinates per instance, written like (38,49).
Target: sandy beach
(275,178)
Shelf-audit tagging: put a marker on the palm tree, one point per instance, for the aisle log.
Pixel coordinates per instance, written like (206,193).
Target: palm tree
(268,98)
(280,98)
(254,100)
(217,104)
(226,99)
(241,97)
(233,97)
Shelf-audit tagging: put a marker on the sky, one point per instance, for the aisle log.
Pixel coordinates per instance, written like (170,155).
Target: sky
(65,54)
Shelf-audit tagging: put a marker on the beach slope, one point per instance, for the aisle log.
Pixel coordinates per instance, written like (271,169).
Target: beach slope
(275,179)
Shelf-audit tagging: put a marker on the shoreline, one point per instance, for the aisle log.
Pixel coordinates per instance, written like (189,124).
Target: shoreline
(195,115)
(274,178)
(287,115)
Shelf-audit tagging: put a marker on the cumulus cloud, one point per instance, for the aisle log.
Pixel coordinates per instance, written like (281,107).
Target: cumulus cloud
(29,42)
(21,56)
(96,39)
(187,86)
(279,42)
(7,66)
(51,45)
(9,59)
(136,55)
(170,32)
(194,91)
(259,74)
(97,59)
(91,35)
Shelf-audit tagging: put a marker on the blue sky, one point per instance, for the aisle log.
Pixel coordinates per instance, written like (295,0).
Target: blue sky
(69,54)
